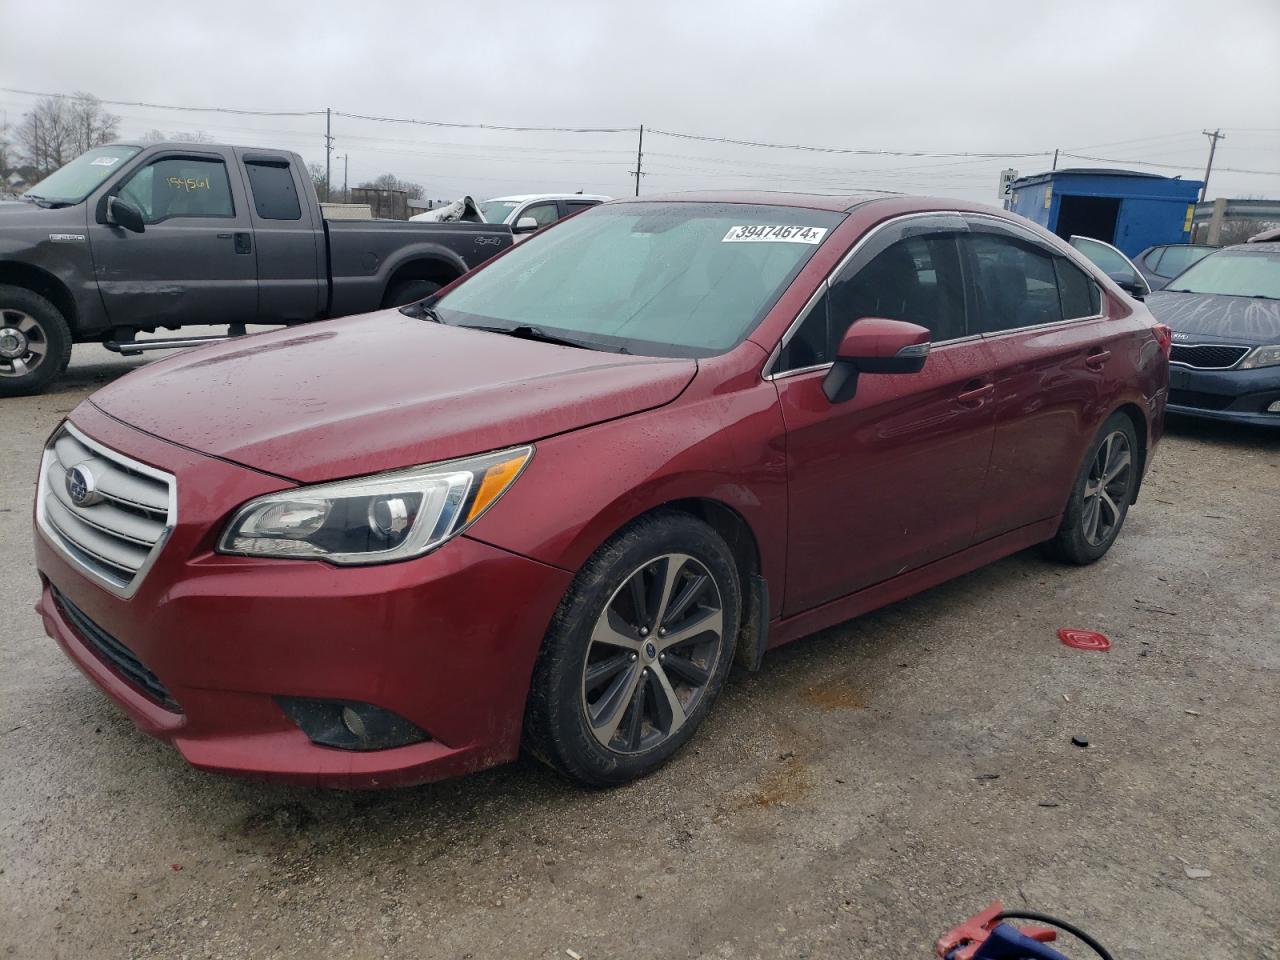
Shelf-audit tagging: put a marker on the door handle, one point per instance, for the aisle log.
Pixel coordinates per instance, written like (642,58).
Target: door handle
(244,243)
(224,236)
(1096,359)
(975,394)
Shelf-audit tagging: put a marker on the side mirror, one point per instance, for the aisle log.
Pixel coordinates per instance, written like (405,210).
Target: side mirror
(1130,283)
(525,225)
(875,345)
(121,213)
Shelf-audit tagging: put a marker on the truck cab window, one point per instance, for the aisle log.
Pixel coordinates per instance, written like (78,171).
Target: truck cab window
(180,187)
(274,194)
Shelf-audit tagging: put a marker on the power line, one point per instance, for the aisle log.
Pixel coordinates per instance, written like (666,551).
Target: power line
(846,150)
(482,126)
(1167,166)
(169,106)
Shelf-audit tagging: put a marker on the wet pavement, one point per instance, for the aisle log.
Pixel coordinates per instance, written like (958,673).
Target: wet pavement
(875,784)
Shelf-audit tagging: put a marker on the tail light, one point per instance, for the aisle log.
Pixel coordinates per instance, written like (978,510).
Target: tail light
(1164,335)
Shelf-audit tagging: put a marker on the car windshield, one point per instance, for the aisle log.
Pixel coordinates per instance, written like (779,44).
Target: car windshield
(659,278)
(1237,273)
(79,178)
(497,211)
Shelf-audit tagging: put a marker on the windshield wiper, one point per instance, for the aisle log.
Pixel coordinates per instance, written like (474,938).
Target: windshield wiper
(47,203)
(527,332)
(421,311)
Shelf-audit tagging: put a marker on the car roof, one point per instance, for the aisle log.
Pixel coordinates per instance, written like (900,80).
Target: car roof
(1254,246)
(836,203)
(522,197)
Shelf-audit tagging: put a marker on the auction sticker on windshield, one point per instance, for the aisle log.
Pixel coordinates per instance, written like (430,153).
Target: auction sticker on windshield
(774,233)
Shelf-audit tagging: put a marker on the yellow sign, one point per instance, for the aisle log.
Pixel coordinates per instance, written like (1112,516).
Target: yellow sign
(1191,212)
(1048,195)
(189,183)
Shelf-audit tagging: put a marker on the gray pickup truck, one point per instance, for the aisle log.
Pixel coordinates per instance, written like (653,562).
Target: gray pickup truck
(128,239)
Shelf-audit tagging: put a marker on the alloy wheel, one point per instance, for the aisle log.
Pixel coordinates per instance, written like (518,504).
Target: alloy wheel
(1106,489)
(23,344)
(652,653)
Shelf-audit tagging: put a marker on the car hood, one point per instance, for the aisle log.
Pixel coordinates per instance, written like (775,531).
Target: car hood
(380,391)
(1244,319)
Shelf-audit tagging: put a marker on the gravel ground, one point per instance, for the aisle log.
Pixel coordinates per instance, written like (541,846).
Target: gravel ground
(875,784)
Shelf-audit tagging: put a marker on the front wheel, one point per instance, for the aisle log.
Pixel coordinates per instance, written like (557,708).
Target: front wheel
(636,653)
(35,342)
(1100,499)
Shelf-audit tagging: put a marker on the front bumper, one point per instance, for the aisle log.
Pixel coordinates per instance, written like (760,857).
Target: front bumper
(446,641)
(1239,396)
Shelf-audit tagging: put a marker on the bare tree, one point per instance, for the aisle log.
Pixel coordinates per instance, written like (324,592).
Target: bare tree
(155,135)
(91,125)
(317,177)
(58,129)
(389,181)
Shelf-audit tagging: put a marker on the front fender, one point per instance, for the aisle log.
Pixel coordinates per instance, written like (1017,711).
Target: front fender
(725,445)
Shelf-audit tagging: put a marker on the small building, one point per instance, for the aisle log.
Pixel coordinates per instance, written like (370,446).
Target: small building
(1128,209)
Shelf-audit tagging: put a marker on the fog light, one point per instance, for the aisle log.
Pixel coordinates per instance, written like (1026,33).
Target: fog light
(349,724)
(1274,407)
(352,721)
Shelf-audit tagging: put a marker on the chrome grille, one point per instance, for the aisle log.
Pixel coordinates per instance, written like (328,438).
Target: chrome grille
(1207,356)
(118,520)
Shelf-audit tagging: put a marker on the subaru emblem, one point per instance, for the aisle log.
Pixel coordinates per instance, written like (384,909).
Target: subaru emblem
(81,486)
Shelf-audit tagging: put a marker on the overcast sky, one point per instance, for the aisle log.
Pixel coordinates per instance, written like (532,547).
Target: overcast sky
(1134,81)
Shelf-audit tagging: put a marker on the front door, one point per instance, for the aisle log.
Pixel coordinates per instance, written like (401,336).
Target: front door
(195,262)
(891,479)
(1042,320)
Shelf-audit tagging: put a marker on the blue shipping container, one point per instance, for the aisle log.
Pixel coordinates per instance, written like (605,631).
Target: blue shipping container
(1131,210)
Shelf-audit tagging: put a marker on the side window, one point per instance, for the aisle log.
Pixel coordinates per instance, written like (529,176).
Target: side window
(574,206)
(810,345)
(917,279)
(1079,295)
(1016,283)
(544,213)
(1153,260)
(1177,259)
(274,195)
(180,187)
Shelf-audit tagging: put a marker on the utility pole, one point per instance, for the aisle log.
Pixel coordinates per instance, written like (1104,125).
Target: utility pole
(328,150)
(1055,158)
(346,197)
(639,155)
(1213,145)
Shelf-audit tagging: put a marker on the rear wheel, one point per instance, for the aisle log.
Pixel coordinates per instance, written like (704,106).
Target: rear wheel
(1100,499)
(35,342)
(637,652)
(409,291)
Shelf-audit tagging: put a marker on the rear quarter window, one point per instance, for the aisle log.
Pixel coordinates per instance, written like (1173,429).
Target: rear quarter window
(274,195)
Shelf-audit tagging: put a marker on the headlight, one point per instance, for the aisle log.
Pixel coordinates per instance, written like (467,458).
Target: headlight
(1261,357)
(377,519)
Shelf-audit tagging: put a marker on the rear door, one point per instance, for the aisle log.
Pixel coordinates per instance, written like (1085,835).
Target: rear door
(891,479)
(194,263)
(292,274)
(1041,320)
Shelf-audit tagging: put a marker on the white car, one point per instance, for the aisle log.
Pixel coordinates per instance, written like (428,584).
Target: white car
(533,211)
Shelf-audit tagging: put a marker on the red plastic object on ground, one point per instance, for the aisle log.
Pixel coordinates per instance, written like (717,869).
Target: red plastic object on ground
(965,940)
(1083,639)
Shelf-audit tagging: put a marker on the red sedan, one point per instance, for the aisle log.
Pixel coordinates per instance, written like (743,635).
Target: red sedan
(554,503)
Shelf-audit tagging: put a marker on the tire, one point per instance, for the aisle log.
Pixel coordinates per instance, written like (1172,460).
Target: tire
(598,705)
(1093,520)
(35,342)
(409,291)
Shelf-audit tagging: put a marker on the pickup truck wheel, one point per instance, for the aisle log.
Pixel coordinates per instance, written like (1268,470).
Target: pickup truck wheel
(637,652)
(1100,499)
(35,342)
(409,291)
